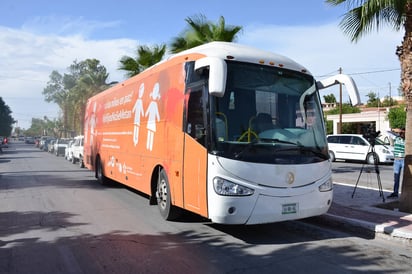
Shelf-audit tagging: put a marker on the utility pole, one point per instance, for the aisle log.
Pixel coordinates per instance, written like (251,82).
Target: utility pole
(340,105)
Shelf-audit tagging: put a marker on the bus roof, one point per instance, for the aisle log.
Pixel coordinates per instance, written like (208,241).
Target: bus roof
(243,53)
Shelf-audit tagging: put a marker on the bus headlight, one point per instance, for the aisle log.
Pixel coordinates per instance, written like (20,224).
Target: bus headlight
(326,186)
(227,188)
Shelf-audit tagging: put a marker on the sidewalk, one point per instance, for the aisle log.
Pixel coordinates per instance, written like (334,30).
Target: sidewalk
(366,211)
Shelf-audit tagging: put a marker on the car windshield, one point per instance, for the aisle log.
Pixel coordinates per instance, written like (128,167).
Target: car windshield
(268,115)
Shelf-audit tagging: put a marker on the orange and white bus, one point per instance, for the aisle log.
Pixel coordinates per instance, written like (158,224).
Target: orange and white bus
(226,131)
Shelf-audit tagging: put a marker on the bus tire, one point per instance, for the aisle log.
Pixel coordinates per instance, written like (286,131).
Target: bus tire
(103,180)
(164,201)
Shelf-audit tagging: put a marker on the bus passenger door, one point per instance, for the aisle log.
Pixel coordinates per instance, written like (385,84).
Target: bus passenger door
(195,152)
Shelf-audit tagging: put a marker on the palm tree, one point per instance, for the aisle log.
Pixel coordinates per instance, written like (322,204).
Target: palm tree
(362,17)
(201,31)
(146,57)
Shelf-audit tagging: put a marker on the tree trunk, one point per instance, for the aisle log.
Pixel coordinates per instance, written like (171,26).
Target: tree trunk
(405,57)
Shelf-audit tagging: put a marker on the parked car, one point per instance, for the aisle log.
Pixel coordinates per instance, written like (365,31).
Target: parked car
(50,145)
(29,140)
(68,154)
(357,148)
(45,144)
(60,146)
(77,150)
(42,142)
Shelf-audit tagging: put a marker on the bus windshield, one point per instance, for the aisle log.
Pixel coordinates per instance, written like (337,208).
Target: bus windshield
(268,115)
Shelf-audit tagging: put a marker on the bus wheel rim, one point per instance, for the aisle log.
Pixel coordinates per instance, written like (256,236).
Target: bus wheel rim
(162,194)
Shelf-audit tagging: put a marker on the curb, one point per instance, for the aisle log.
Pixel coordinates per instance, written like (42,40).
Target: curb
(386,229)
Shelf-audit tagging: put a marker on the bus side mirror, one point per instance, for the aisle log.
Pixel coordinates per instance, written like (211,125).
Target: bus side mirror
(217,74)
(346,80)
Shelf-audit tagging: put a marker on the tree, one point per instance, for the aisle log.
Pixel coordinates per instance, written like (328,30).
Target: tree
(56,91)
(201,31)
(6,120)
(71,91)
(373,100)
(362,17)
(397,117)
(145,58)
(330,98)
(92,80)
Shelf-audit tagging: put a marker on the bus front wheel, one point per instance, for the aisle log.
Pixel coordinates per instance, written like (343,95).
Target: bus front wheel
(164,203)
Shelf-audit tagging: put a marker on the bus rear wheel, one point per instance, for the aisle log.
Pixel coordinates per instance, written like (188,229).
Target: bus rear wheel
(164,201)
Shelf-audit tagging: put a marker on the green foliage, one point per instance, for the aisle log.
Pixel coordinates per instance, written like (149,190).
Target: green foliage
(365,16)
(201,31)
(397,117)
(346,127)
(146,57)
(6,120)
(346,108)
(71,90)
(329,98)
(375,101)
(44,126)
(329,126)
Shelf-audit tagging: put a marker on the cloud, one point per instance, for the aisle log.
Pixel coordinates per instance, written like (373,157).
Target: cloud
(66,25)
(27,59)
(30,54)
(324,49)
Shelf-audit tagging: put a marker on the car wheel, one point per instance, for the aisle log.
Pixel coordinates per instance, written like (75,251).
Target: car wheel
(164,201)
(81,163)
(370,159)
(332,156)
(73,160)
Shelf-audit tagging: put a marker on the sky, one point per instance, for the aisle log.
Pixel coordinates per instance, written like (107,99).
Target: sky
(37,37)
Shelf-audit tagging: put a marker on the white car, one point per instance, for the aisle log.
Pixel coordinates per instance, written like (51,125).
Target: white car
(68,154)
(356,147)
(60,146)
(77,150)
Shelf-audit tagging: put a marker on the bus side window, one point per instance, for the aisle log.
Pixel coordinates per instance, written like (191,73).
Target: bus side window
(195,122)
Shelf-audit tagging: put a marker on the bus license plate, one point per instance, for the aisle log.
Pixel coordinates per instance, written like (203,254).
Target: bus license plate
(290,208)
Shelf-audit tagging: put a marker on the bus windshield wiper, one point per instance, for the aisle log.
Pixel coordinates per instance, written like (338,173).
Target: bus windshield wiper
(247,147)
(305,149)
(268,140)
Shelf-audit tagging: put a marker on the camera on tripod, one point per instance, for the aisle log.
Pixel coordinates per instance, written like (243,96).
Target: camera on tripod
(370,134)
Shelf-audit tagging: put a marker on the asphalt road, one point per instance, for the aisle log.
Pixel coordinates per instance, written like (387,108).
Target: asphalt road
(363,174)
(55,218)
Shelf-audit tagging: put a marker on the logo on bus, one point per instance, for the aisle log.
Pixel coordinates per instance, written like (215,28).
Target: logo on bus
(290,178)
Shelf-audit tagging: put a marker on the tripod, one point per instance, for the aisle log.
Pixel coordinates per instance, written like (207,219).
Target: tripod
(375,162)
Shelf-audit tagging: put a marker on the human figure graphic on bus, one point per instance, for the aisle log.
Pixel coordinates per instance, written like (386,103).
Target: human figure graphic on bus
(138,110)
(152,113)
